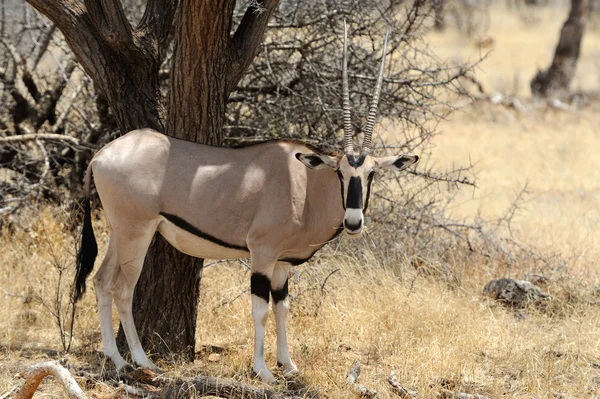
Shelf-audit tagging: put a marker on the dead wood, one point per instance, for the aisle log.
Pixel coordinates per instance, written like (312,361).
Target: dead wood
(448,394)
(213,386)
(36,373)
(67,140)
(361,390)
(400,390)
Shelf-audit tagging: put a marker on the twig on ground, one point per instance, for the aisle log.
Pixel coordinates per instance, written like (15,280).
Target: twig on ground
(9,392)
(446,393)
(398,389)
(361,390)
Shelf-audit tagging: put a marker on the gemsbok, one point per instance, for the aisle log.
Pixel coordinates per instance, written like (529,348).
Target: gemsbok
(277,202)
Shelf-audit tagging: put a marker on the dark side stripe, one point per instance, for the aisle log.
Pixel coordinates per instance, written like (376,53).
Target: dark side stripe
(354,196)
(299,261)
(182,224)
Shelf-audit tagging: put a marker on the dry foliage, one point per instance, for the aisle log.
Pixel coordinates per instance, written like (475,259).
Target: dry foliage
(401,298)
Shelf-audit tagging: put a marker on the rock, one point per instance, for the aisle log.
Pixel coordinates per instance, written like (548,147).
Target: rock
(514,292)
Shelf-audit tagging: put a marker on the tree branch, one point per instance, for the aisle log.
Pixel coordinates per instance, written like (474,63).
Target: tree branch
(68,140)
(157,21)
(111,22)
(248,37)
(62,12)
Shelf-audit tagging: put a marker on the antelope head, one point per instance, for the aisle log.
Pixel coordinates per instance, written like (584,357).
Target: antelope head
(356,170)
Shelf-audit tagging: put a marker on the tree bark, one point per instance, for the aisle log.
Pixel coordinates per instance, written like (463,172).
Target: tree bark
(198,93)
(124,64)
(197,103)
(558,76)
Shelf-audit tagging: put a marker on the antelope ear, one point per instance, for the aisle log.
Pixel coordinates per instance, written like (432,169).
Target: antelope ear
(395,162)
(316,161)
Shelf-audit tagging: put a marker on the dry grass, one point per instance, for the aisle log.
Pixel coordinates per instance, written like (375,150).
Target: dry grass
(433,332)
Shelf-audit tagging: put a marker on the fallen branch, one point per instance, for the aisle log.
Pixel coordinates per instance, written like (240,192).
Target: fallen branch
(212,386)
(36,373)
(446,393)
(361,390)
(398,389)
(67,140)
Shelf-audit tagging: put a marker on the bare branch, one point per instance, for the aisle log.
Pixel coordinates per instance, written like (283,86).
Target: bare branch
(248,36)
(157,21)
(66,140)
(111,22)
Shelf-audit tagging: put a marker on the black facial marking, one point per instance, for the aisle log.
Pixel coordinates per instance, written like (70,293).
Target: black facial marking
(356,160)
(341,177)
(182,224)
(280,294)
(354,198)
(260,285)
(369,181)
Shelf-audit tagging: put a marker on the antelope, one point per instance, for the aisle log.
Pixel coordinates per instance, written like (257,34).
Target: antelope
(277,202)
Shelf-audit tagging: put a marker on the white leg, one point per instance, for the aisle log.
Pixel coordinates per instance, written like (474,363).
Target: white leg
(124,306)
(260,286)
(130,257)
(281,305)
(102,281)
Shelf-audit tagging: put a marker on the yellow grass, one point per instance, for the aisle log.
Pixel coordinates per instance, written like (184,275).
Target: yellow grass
(433,333)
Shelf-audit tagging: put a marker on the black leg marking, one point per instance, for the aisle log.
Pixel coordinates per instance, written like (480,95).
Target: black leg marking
(280,294)
(260,285)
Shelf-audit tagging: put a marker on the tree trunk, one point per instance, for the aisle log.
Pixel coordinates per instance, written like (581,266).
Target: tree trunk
(558,77)
(197,102)
(124,63)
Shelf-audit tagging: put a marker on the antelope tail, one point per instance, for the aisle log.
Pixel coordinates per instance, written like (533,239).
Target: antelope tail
(88,250)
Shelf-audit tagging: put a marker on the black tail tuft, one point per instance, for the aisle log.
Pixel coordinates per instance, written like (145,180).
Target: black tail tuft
(87,253)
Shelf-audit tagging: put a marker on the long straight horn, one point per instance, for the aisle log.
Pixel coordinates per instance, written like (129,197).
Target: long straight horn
(348,133)
(374,101)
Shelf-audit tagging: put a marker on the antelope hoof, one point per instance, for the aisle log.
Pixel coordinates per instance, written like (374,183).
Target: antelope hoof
(289,369)
(265,375)
(148,365)
(124,368)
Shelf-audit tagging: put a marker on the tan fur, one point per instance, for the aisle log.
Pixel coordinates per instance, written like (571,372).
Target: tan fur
(256,196)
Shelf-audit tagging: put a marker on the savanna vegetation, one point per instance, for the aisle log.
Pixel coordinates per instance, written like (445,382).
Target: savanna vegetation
(507,188)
